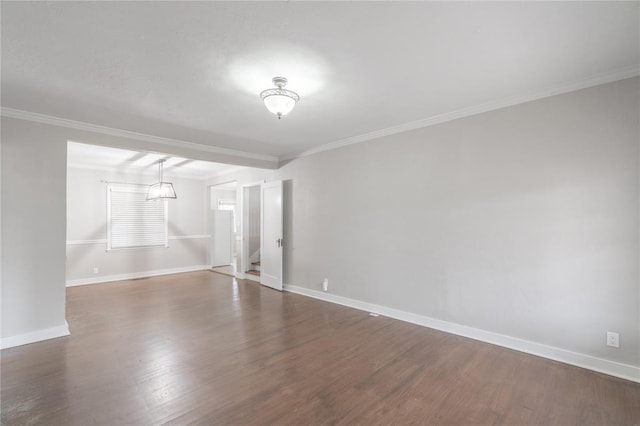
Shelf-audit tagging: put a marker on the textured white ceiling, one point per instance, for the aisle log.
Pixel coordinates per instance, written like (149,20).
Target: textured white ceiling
(193,71)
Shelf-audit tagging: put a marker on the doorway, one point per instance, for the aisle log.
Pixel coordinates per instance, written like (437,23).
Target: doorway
(251,219)
(262,239)
(223,227)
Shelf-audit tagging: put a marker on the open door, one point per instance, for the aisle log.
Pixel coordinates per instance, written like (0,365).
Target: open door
(221,237)
(271,241)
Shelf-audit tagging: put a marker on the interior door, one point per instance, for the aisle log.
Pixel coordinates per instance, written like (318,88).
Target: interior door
(221,237)
(271,238)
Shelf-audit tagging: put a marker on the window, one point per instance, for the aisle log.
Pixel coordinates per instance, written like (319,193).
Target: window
(132,221)
(231,206)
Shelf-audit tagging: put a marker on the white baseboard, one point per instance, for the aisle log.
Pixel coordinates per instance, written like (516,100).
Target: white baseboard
(133,275)
(612,368)
(252,277)
(35,336)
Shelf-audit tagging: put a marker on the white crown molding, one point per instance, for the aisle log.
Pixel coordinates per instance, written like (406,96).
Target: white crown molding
(138,172)
(121,170)
(111,131)
(621,74)
(35,336)
(612,368)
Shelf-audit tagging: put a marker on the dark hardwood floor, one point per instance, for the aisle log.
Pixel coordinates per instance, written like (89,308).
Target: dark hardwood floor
(200,348)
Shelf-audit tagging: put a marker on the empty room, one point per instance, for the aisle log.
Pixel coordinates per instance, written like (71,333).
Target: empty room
(309,213)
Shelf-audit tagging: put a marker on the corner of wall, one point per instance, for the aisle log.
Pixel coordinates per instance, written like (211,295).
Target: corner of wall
(35,336)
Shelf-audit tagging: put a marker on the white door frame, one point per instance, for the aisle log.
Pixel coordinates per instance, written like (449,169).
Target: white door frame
(244,229)
(208,215)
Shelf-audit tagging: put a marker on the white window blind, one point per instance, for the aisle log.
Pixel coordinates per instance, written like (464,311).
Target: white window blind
(132,221)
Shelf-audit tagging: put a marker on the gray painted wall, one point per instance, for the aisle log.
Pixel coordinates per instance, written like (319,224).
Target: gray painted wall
(33,228)
(521,221)
(87,218)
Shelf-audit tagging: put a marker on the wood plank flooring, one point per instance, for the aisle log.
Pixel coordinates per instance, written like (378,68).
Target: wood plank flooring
(201,348)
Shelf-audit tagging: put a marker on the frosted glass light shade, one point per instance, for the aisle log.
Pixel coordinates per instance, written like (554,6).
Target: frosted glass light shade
(279,100)
(279,104)
(161,190)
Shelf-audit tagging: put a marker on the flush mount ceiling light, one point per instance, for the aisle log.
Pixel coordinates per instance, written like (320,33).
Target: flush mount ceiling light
(279,101)
(161,189)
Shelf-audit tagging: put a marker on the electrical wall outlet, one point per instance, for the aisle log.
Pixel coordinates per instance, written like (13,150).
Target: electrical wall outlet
(613,339)
(325,284)
(96,270)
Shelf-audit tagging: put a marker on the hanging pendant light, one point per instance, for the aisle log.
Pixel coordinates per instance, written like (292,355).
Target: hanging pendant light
(161,189)
(279,100)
